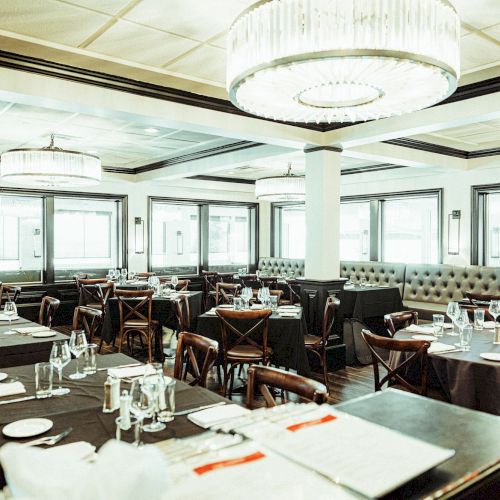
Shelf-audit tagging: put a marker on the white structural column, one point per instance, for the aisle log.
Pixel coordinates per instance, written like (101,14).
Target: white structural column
(322,214)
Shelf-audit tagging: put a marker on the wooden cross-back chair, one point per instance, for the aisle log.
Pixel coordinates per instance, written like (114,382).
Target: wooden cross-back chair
(210,280)
(294,297)
(398,320)
(260,378)
(317,344)
(97,295)
(242,345)
(89,281)
(183,313)
(48,309)
(9,293)
(145,275)
(135,311)
(416,351)
(192,349)
(270,281)
(226,292)
(88,319)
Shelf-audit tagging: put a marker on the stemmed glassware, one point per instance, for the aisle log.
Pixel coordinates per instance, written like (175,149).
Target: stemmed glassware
(10,310)
(461,320)
(246,295)
(59,358)
(452,312)
(263,295)
(494,310)
(151,386)
(140,406)
(124,274)
(174,281)
(77,346)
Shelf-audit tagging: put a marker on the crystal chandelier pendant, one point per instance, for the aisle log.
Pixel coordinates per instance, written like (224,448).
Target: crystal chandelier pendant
(342,61)
(287,187)
(50,167)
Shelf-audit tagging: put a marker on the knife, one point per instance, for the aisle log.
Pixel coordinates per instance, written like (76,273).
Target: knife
(199,408)
(18,400)
(119,366)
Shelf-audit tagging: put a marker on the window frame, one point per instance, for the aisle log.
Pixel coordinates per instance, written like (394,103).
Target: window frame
(203,228)
(376,218)
(48,220)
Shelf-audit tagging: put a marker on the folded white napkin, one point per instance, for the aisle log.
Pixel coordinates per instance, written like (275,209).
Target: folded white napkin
(210,416)
(33,329)
(437,347)
(33,473)
(489,325)
(287,314)
(419,329)
(11,389)
(256,306)
(81,450)
(10,332)
(131,371)
(211,312)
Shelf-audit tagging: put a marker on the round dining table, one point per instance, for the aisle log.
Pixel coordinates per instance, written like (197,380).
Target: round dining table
(466,378)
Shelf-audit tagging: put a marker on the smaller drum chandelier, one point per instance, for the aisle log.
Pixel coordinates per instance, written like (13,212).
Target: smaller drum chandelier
(50,167)
(286,187)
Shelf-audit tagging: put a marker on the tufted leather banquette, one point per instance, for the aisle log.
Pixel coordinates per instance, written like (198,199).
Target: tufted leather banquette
(380,273)
(277,265)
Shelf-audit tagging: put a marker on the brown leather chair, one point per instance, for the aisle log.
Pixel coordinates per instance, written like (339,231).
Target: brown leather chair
(89,320)
(317,344)
(226,292)
(48,309)
(97,295)
(243,345)
(183,313)
(9,293)
(192,348)
(399,320)
(417,354)
(263,377)
(135,309)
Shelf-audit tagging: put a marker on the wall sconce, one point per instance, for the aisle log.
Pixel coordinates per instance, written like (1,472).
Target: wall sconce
(139,235)
(37,243)
(180,243)
(454,232)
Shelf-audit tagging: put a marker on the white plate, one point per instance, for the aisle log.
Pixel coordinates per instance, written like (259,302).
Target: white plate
(3,376)
(225,306)
(3,317)
(430,338)
(42,335)
(289,307)
(491,356)
(27,427)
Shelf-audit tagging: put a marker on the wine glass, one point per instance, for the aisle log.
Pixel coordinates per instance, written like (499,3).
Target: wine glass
(452,311)
(494,310)
(151,386)
(132,275)
(124,273)
(59,358)
(140,406)
(174,281)
(461,320)
(77,346)
(10,310)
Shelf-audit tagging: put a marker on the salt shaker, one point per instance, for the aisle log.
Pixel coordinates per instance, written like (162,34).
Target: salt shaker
(111,395)
(125,411)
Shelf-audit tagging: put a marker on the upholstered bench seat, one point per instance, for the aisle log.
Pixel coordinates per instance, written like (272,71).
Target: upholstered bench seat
(425,310)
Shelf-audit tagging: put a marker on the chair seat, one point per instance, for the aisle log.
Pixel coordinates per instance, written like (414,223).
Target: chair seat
(311,339)
(247,352)
(94,306)
(139,323)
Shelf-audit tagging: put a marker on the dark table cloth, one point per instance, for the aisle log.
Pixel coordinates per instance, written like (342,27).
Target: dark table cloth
(467,379)
(16,350)
(285,338)
(163,311)
(473,435)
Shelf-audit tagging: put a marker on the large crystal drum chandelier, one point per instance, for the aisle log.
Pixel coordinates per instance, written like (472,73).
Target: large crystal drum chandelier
(50,166)
(342,60)
(286,187)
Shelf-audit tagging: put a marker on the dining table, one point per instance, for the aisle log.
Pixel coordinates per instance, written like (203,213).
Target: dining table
(465,377)
(285,338)
(21,349)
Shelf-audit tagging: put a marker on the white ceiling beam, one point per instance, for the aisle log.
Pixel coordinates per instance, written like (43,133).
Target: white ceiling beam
(456,114)
(40,90)
(482,163)
(387,153)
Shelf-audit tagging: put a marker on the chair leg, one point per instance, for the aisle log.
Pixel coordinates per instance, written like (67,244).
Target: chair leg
(231,381)
(225,381)
(325,368)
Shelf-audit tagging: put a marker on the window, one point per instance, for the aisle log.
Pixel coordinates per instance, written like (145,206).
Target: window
(188,236)
(355,230)
(290,231)
(86,236)
(174,238)
(486,225)
(21,239)
(228,237)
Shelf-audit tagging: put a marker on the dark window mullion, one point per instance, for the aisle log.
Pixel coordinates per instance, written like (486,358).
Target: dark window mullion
(49,240)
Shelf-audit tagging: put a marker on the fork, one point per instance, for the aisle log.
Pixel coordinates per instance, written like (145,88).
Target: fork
(49,440)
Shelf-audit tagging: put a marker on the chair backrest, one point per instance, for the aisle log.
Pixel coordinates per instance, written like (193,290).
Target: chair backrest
(210,278)
(145,274)
(270,281)
(263,377)
(134,305)
(225,292)
(86,281)
(48,309)
(471,308)
(98,293)
(245,328)
(399,320)
(192,348)
(416,352)
(87,318)
(9,293)
(183,313)
(331,305)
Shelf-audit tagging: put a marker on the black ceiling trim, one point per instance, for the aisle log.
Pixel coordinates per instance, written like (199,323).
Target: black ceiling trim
(313,149)
(217,178)
(370,168)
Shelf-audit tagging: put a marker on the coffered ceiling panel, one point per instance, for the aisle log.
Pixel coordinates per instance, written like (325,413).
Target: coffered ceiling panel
(477,51)
(111,7)
(478,13)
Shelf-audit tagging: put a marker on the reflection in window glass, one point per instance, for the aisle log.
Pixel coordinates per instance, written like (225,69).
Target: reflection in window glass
(410,230)
(174,238)
(355,231)
(293,232)
(228,233)
(21,239)
(493,229)
(86,236)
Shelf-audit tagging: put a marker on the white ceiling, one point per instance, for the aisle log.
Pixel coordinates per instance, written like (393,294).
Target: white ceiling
(187,37)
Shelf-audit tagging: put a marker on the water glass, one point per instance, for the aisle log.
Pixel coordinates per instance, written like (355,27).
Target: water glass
(152,386)
(466,337)
(59,358)
(352,278)
(166,401)
(10,310)
(43,380)
(438,324)
(90,359)
(363,280)
(130,434)
(479,319)
(274,302)
(238,304)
